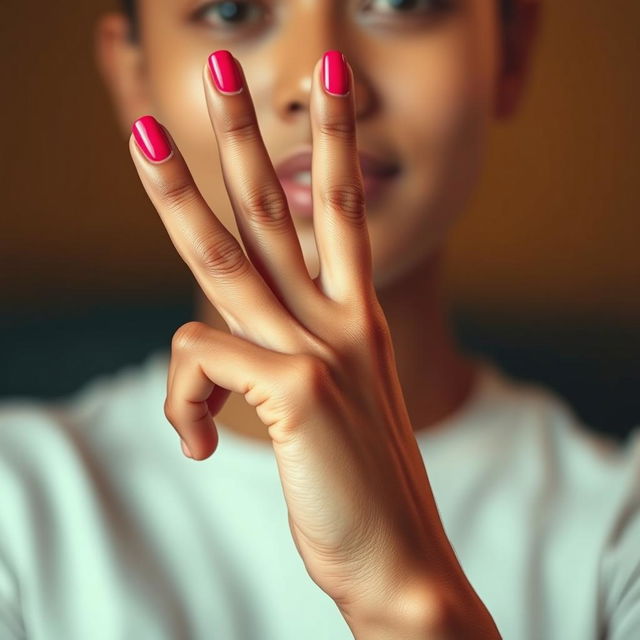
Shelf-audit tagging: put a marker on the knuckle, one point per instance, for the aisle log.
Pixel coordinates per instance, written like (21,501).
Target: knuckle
(341,128)
(186,336)
(240,128)
(169,411)
(371,326)
(266,206)
(331,356)
(377,345)
(363,341)
(348,198)
(378,333)
(178,193)
(378,342)
(221,255)
(312,376)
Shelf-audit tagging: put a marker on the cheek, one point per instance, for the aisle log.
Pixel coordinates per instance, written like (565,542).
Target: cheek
(440,121)
(445,106)
(444,115)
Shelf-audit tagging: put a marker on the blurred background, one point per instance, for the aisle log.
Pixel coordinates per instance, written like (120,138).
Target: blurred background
(543,271)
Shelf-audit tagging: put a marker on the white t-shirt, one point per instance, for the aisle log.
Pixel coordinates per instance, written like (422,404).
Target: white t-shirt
(108,532)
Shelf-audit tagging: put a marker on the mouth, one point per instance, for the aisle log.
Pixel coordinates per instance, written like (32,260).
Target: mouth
(297,189)
(294,174)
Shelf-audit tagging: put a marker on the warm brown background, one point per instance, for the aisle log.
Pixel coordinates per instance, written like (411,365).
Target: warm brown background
(554,229)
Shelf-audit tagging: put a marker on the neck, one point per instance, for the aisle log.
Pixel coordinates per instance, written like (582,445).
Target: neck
(435,376)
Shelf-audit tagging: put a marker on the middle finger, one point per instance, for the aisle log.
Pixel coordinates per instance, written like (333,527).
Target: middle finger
(258,199)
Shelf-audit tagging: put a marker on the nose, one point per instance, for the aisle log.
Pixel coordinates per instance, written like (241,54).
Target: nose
(306,34)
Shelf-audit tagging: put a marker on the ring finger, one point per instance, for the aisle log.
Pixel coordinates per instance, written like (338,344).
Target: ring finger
(228,279)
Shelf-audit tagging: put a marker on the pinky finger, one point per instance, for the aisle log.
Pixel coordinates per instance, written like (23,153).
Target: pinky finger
(215,401)
(206,366)
(187,407)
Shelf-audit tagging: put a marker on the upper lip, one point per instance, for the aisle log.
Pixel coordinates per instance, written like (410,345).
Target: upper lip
(300,160)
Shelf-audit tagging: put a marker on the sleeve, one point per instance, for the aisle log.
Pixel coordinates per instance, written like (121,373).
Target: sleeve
(621,562)
(11,625)
(15,419)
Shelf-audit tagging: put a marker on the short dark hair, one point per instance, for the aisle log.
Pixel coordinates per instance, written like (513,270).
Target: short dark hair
(129,6)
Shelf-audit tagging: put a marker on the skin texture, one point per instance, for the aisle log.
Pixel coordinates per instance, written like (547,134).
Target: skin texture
(310,349)
(426,92)
(314,357)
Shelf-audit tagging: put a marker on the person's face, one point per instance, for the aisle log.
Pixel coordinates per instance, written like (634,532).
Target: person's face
(427,77)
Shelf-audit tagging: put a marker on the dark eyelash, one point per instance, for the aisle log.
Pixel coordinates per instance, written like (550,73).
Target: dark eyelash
(435,6)
(200,13)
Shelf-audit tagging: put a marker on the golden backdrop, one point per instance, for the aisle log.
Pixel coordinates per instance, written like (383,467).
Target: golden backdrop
(553,229)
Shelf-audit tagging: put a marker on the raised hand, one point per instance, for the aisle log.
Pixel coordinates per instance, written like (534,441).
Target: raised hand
(313,356)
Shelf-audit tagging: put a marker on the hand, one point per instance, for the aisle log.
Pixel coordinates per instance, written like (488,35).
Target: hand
(313,356)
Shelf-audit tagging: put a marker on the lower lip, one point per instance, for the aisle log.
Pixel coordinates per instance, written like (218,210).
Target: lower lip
(300,200)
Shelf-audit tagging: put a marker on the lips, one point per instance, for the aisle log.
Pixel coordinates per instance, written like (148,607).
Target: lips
(376,173)
(301,161)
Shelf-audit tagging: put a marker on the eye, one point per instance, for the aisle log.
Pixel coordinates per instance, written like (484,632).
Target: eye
(398,7)
(228,13)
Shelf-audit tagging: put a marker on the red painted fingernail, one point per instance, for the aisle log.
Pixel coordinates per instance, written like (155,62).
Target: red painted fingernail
(225,72)
(335,73)
(152,139)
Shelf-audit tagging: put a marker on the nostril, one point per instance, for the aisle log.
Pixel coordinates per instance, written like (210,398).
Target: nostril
(295,106)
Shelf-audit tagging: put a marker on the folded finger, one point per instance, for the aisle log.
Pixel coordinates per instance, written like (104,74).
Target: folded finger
(206,358)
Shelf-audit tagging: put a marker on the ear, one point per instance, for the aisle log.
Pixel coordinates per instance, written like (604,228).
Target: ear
(120,64)
(519,36)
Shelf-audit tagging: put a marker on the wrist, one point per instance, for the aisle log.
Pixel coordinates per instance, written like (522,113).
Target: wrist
(411,613)
(411,619)
(425,612)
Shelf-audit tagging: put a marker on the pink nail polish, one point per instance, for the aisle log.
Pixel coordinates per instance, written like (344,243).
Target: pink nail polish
(151,139)
(335,73)
(225,72)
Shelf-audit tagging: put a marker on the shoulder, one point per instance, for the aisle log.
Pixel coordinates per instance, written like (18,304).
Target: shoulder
(534,421)
(547,492)
(59,460)
(56,455)
(532,458)
(589,485)
(42,440)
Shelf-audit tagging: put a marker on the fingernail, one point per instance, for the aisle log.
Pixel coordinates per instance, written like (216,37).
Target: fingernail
(225,72)
(185,449)
(152,139)
(335,73)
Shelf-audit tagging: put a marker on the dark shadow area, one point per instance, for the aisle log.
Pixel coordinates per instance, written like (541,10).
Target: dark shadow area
(593,366)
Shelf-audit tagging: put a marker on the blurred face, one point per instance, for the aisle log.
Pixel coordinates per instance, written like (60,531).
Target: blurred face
(425,73)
